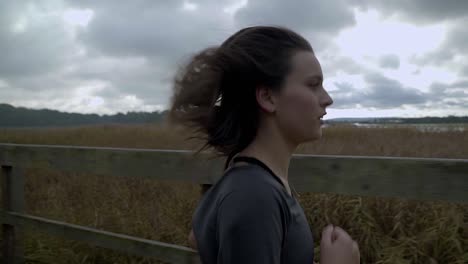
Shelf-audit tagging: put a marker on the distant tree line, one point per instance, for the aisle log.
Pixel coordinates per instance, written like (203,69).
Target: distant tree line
(11,116)
(419,120)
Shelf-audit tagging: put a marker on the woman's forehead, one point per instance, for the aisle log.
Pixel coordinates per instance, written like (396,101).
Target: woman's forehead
(305,64)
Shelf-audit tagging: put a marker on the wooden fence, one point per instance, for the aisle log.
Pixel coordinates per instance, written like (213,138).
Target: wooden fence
(412,178)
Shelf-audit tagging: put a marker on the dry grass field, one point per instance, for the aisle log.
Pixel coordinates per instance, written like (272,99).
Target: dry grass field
(387,230)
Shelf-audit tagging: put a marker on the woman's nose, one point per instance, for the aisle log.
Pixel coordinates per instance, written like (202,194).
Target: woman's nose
(327,100)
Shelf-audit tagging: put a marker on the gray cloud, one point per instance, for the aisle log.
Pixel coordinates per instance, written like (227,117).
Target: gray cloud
(379,92)
(131,49)
(451,51)
(455,90)
(448,95)
(318,21)
(464,71)
(167,31)
(418,11)
(456,84)
(313,16)
(153,29)
(433,57)
(332,64)
(388,93)
(454,45)
(136,76)
(138,50)
(390,61)
(454,12)
(31,44)
(347,96)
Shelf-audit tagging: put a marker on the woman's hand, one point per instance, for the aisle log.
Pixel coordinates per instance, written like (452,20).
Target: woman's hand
(191,240)
(337,247)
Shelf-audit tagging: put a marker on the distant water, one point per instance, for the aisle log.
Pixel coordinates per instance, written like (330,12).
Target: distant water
(420,127)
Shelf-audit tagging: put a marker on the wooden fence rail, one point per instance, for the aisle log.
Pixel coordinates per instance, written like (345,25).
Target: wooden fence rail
(411,178)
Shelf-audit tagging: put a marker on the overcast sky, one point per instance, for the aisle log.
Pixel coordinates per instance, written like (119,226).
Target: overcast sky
(379,58)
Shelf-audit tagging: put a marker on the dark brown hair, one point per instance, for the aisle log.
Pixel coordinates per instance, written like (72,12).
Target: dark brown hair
(214,93)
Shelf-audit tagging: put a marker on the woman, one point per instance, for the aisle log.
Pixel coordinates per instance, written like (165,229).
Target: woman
(255,98)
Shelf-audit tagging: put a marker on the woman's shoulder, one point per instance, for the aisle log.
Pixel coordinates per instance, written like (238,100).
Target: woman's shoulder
(246,183)
(247,177)
(249,182)
(248,194)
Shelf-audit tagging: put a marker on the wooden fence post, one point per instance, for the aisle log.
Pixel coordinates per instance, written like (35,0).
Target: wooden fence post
(13,200)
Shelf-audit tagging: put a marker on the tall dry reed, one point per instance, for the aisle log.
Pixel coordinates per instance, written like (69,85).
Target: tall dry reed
(388,230)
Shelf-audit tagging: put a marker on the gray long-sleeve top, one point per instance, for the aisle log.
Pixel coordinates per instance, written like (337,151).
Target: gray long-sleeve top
(249,217)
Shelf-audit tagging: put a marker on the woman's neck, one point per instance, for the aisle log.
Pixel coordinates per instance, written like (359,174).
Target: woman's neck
(272,149)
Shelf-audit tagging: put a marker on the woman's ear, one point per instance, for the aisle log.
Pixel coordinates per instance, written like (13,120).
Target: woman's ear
(266,99)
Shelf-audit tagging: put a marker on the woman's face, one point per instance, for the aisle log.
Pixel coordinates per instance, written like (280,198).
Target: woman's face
(302,101)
